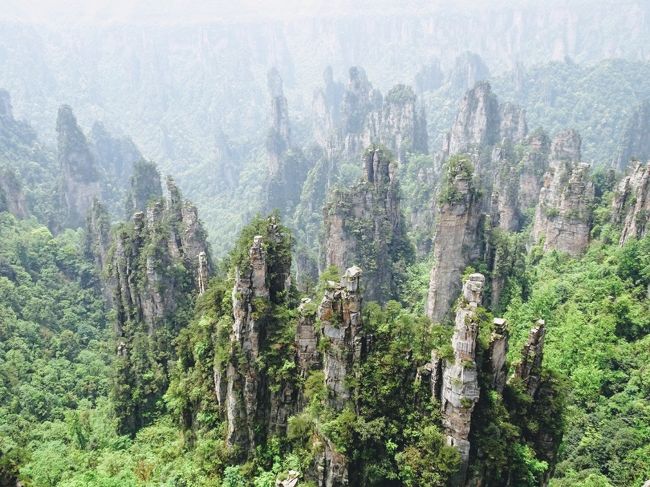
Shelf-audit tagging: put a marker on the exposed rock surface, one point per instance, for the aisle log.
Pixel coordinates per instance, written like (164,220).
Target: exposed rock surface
(460,386)
(342,328)
(468,69)
(430,77)
(497,354)
(308,357)
(563,213)
(80,175)
(97,246)
(631,204)
(261,282)
(364,226)
(145,186)
(636,140)
(12,198)
(457,238)
(529,370)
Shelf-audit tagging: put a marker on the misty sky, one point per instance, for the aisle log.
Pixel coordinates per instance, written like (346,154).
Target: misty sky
(172,11)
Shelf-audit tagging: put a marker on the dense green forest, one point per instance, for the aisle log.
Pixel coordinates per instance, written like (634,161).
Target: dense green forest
(372,246)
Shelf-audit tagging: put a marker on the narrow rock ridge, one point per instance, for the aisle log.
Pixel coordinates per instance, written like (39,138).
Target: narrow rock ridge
(97,247)
(364,225)
(308,357)
(529,370)
(460,387)
(80,175)
(636,139)
(631,203)
(563,213)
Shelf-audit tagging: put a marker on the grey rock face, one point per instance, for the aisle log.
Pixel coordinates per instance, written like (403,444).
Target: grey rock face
(497,354)
(631,204)
(308,357)
(529,370)
(636,140)
(460,388)
(97,246)
(364,226)
(80,176)
(145,186)
(342,327)
(468,69)
(563,213)
(12,198)
(456,243)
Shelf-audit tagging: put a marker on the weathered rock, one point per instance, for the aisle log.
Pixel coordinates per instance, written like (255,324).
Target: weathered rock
(631,203)
(145,186)
(468,70)
(457,238)
(429,78)
(97,247)
(364,225)
(460,387)
(308,357)
(636,139)
(342,328)
(331,466)
(403,125)
(12,198)
(497,354)
(563,213)
(80,176)
(529,370)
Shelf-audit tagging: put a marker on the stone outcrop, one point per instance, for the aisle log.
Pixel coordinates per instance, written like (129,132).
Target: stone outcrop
(482,121)
(341,326)
(308,357)
(497,354)
(636,139)
(145,186)
(287,168)
(631,203)
(252,411)
(12,198)
(529,369)
(115,155)
(460,386)
(429,78)
(457,237)
(97,246)
(326,109)
(563,213)
(364,226)
(403,124)
(468,69)
(147,289)
(80,174)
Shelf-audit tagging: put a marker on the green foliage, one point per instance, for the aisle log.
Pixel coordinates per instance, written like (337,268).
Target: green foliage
(459,167)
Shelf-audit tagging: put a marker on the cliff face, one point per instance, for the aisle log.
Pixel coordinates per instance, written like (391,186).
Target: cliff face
(12,198)
(631,203)
(460,387)
(97,247)
(636,140)
(364,225)
(287,167)
(154,271)
(262,282)
(457,238)
(468,69)
(563,213)
(145,187)
(80,175)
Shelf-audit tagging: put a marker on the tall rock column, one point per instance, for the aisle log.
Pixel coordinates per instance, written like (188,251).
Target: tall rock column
(529,370)
(80,177)
(460,387)
(457,237)
(563,214)
(631,204)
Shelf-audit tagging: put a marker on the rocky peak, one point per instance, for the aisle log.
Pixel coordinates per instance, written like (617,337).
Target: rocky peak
(145,186)
(80,178)
(529,369)
(460,387)
(566,146)
(631,203)
(563,213)
(12,198)
(430,77)
(115,155)
(403,124)
(636,139)
(482,122)
(468,70)
(497,353)
(457,239)
(342,327)
(369,212)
